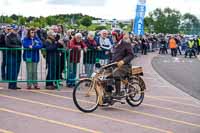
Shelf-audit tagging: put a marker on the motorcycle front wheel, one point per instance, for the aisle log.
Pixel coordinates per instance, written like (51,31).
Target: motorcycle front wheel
(85,96)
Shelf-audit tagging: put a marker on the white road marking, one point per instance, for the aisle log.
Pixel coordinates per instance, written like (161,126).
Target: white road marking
(178,60)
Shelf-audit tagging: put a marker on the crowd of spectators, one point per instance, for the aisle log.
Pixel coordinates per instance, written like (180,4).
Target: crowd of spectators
(95,45)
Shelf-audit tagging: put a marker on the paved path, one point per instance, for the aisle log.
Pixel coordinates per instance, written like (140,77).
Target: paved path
(166,109)
(182,72)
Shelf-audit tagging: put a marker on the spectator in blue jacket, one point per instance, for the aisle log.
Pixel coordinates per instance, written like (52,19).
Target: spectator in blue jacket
(31,56)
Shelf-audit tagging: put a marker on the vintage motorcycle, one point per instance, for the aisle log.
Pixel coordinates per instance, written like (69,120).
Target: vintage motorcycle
(89,93)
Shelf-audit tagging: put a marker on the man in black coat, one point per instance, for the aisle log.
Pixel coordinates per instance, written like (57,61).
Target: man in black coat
(122,53)
(13,61)
(52,60)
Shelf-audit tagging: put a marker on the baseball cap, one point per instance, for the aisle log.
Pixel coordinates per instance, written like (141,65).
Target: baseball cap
(14,27)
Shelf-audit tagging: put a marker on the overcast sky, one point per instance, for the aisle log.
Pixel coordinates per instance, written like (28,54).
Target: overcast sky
(109,9)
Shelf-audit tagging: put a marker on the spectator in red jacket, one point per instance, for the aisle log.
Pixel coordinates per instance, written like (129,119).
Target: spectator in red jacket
(75,46)
(89,57)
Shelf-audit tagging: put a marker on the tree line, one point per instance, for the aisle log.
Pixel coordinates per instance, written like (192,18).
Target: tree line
(171,21)
(68,20)
(158,21)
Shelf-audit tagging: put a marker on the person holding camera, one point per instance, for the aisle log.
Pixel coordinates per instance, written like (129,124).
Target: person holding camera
(13,43)
(52,55)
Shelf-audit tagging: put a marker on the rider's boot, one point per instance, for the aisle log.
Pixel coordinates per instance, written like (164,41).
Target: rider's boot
(109,89)
(118,92)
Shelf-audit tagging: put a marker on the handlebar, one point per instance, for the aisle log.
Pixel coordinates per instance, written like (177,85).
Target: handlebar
(109,65)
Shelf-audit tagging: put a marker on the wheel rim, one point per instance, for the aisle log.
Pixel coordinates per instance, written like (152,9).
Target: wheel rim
(86,97)
(136,95)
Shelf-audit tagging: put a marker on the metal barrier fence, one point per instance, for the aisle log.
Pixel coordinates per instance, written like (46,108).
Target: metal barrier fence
(49,67)
(33,66)
(52,68)
(81,63)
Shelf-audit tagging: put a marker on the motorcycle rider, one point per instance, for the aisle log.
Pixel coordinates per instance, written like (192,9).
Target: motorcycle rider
(121,53)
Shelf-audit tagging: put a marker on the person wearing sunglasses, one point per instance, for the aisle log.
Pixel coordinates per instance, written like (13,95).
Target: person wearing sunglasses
(31,56)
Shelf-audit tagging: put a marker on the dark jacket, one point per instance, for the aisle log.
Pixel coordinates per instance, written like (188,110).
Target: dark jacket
(144,43)
(2,40)
(122,51)
(178,42)
(52,54)
(13,41)
(90,55)
(32,54)
(163,43)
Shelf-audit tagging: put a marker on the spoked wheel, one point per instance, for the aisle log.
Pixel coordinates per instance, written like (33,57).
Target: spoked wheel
(139,80)
(136,89)
(85,96)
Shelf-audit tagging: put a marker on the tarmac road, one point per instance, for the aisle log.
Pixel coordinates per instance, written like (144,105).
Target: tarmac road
(166,109)
(182,72)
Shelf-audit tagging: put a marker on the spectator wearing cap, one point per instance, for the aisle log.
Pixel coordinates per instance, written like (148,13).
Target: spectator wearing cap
(104,43)
(31,56)
(89,57)
(52,56)
(13,57)
(76,45)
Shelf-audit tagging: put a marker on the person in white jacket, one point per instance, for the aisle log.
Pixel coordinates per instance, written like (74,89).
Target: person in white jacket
(104,45)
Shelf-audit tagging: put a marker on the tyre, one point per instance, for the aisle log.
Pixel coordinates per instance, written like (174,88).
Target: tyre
(137,88)
(139,80)
(85,97)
